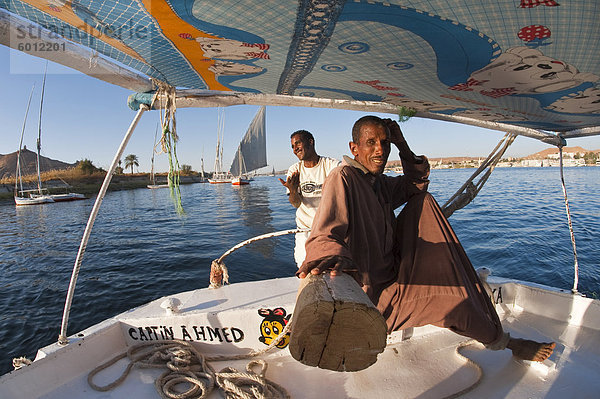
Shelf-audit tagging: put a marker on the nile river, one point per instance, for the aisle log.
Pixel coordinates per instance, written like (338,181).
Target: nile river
(140,249)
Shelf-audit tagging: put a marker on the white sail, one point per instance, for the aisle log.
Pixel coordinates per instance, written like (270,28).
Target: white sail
(18,175)
(252,151)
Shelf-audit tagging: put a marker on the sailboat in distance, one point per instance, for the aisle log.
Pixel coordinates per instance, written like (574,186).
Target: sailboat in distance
(218,175)
(252,151)
(38,195)
(32,198)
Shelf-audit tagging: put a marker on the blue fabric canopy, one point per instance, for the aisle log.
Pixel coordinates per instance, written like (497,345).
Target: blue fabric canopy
(528,63)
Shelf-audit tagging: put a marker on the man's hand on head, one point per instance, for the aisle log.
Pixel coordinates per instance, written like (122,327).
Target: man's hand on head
(396,135)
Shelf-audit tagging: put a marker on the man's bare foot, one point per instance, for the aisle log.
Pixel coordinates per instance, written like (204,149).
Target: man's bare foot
(530,350)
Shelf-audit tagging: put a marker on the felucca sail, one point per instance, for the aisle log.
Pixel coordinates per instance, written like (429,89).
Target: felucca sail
(37,196)
(252,151)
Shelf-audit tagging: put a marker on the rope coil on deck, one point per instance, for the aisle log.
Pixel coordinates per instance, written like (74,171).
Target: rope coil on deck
(186,365)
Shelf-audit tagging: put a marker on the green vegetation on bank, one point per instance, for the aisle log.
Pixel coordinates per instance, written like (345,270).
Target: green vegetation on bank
(85,178)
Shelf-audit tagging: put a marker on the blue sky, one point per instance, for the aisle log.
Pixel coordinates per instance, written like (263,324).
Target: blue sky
(84,117)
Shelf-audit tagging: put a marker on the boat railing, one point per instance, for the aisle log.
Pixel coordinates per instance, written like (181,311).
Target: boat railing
(219,274)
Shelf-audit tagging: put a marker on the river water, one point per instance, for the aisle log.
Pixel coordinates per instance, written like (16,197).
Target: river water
(140,249)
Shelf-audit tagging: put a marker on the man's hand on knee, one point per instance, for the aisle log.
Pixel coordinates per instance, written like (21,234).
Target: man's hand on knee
(335,264)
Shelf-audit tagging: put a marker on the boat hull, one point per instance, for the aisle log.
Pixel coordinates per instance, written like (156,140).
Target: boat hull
(239,181)
(155,186)
(420,362)
(67,197)
(37,200)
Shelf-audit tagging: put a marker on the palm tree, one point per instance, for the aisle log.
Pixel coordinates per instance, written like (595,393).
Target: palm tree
(86,166)
(131,160)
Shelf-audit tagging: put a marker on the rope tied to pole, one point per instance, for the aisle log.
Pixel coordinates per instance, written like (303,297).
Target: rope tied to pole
(568,211)
(19,362)
(219,274)
(218,271)
(166,96)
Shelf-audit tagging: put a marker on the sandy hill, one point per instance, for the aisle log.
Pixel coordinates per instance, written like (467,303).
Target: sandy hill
(554,150)
(8,164)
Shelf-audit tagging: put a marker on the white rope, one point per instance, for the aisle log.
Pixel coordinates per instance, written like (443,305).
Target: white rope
(169,138)
(564,188)
(19,362)
(470,363)
(93,60)
(218,271)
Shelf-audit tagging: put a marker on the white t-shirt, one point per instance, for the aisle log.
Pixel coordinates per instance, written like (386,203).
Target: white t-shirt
(311,185)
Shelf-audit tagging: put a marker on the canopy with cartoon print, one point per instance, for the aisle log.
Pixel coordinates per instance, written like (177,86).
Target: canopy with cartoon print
(526,66)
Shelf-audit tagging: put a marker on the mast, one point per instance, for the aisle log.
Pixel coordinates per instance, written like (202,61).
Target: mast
(39,140)
(240,162)
(153,151)
(220,129)
(18,177)
(202,164)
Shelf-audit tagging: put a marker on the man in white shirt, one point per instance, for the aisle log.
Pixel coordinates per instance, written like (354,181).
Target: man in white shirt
(304,185)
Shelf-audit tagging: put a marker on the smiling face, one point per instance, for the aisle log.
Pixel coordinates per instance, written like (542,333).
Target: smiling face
(302,148)
(373,147)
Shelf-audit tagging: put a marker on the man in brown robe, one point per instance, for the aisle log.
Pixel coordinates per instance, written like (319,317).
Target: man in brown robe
(412,267)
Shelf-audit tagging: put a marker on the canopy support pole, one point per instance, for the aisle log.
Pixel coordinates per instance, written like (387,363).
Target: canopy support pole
(469,191)
(576,263)
(62,337)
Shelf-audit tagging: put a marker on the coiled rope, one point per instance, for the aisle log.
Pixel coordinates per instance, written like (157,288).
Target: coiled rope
(19,362)
(186,365)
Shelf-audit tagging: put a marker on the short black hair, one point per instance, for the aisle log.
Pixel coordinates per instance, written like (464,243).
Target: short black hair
(306,135)
(366,120)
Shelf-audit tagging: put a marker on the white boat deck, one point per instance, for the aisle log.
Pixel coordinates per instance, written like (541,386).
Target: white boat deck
(426,365)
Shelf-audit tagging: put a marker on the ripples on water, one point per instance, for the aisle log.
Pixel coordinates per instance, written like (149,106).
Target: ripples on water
(141,250)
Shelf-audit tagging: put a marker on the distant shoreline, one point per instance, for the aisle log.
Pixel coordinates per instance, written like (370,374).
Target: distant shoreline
(89,186)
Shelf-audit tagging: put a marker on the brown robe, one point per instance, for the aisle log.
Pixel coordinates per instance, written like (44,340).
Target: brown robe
(412,267)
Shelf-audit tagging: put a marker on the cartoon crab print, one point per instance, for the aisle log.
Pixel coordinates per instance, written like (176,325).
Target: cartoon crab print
(535,3)
(535,35)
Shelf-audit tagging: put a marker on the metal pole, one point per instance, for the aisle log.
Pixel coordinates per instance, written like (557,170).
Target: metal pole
(62,337)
